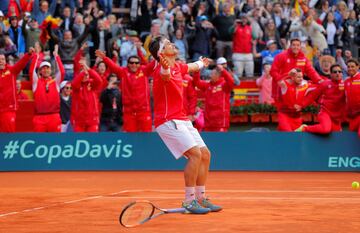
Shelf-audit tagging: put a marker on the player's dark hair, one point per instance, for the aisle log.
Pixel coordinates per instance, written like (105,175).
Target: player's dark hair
(112,75)
(352,60)
(332,67)
(101,62)
(133,56)
(154,47)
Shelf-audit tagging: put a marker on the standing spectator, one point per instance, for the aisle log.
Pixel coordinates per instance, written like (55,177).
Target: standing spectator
(222,23)
(16,35)
(65,106)
(217,95)
(331,97)
(182,45)
(166,26)
(242,51)
(204,33)
(100,36)
(352,92)
(42,10)
(130,47)
(31,31)
(288,60)
(111,114)
(292,93)
(85,105)
(265,83)
(8,100)
(154,32)
(46,94)
(135,93)
(332,31)
(68,47)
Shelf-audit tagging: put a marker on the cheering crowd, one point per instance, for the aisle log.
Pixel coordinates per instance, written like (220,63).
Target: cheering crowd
(91,70)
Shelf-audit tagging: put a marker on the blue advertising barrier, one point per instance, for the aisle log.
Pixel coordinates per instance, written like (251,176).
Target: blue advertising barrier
(252,151)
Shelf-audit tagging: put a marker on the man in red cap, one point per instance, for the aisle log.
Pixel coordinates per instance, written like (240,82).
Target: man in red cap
(8,96)
(46,94)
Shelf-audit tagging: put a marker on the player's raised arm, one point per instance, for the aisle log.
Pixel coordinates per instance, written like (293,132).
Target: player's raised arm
(197,66)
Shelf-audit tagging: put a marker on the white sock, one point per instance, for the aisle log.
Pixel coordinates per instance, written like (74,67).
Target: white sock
(200,192)
(189,194)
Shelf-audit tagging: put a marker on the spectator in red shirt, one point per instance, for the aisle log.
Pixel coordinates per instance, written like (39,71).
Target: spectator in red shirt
(135,93)
(288,60)
(217,99)
(46,94)
(352,93)
(292,91)
(331,97)
(85,100)
(175,128)
(8,98)
(20,93)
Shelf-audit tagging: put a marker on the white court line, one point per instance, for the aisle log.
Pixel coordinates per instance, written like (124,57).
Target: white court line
(347,199)
(181,191)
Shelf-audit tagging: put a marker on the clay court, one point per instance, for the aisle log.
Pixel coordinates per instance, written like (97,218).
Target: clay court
(255,202)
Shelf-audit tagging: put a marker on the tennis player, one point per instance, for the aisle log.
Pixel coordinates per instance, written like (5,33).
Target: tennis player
(175,128)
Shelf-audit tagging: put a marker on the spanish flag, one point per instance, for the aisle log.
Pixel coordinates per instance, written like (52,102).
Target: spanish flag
(54,22)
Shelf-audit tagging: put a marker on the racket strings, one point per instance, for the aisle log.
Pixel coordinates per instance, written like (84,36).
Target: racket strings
(137,213)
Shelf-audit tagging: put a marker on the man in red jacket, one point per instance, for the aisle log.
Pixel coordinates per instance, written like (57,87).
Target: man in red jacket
(135,93)
(292,91)
(86,87)
(242,47)
(8,93)
(46,94)
(217,99)
(286,61)
(330,95)
(352,93)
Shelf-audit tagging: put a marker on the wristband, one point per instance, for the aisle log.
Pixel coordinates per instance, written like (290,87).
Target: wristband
(200,64)
(164,71)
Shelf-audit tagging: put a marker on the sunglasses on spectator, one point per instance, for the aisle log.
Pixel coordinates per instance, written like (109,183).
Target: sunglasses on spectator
(336,71)
(68,88)
(134,62)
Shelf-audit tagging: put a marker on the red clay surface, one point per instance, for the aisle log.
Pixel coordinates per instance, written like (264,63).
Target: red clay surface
(254,202)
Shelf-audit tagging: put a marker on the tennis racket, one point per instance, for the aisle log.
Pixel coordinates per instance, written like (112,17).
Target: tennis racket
(139,212)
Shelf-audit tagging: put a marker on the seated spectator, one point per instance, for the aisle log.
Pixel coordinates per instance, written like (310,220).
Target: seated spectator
(65,106)
(265,85)
(331,97)
(110,98)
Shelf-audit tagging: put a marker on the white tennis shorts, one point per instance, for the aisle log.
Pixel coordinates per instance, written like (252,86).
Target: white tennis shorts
(179,136)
